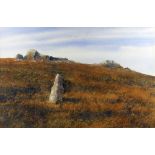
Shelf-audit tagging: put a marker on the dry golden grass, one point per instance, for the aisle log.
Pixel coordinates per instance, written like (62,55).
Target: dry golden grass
(95,96)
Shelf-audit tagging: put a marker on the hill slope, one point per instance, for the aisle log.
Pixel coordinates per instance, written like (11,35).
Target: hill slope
(95,96)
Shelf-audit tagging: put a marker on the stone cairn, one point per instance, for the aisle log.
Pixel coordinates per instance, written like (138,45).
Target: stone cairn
(57,90)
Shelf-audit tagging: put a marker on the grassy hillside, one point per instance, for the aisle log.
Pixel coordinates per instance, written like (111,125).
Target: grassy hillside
(95,96)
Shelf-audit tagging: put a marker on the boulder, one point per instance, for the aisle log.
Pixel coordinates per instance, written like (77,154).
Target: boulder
(112,64)
(51,58)
(45,58)
(33,54)
(57,90)
(25,57)
(19,57)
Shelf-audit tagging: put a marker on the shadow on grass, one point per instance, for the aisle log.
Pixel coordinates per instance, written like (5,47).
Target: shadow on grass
(88,115)
(72,100)
(18,115)
(11,93)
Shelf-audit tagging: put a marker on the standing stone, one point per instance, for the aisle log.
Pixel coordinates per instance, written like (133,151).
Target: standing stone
(57,90)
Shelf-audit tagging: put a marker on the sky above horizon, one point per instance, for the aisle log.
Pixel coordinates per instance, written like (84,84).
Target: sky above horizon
(131,47)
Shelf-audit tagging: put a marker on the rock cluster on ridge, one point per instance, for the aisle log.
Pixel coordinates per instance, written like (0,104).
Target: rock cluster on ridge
(34,55)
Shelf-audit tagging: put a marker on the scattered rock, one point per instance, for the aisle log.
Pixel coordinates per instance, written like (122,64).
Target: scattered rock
(57,90)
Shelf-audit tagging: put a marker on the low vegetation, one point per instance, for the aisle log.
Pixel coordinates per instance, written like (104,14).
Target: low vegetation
(95,96)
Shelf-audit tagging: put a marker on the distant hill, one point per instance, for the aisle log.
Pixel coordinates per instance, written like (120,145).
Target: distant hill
(95,96)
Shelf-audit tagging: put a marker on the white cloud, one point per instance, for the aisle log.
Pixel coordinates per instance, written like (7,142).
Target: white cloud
(72,34)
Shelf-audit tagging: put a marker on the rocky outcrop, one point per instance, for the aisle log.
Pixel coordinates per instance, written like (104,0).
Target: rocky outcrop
(34,55)
(57,90)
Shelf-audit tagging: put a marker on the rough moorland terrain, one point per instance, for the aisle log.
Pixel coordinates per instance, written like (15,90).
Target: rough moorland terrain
(95,96)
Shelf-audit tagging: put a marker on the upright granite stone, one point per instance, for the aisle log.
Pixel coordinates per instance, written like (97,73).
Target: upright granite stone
(57,90)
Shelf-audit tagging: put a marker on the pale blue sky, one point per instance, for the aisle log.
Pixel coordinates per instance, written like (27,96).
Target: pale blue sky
(131,47)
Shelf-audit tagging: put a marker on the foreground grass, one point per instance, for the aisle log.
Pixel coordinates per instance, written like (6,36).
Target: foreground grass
(95,96)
